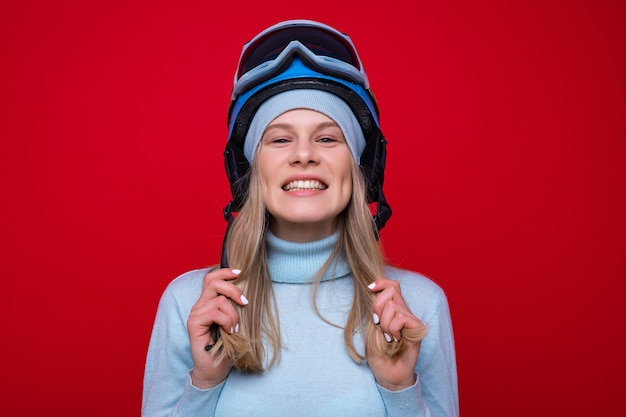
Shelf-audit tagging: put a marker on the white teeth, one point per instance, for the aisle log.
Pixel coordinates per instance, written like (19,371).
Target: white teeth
(304,185)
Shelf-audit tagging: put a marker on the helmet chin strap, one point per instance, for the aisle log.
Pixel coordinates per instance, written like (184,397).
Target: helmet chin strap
(228,216)
(383,213)
(237,170)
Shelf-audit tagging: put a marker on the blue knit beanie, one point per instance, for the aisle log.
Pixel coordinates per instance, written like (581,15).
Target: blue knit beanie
(318,100)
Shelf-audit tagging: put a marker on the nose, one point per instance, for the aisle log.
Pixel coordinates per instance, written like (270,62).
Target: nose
(304,153)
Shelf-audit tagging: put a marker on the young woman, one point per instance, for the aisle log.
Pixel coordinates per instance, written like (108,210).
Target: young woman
(303,317)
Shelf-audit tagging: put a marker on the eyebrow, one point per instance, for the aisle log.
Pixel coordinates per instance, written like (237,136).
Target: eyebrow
(289,126)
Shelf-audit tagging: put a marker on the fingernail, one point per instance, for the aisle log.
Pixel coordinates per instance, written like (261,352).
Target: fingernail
(372,286)
(244,300)
(236,271)
(376,319)
(387,337)
(395,340)
(232,330)
(237,328)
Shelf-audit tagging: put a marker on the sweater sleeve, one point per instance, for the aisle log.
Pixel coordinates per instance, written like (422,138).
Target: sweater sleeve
(167,388)
(435,392)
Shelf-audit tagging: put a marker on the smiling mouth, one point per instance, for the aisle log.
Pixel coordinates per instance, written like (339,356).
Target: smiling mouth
(304,185)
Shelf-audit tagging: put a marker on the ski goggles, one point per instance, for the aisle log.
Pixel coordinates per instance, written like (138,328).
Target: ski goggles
(319,46)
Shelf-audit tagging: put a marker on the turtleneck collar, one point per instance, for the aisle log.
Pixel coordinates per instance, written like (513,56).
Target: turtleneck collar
(297,263)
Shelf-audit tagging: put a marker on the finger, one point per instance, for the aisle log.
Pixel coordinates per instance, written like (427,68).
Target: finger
(402,320)
(388,314)
(390,310)
(382,284)
(217,283)
(219,311)
(388,291)
(415,335)
(222,274)
(223,320)
(225,315)
(218,287)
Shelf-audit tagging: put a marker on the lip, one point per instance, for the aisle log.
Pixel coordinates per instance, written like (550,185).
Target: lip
(304,178)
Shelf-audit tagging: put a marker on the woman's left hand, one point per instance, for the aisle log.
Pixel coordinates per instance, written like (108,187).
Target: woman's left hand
(398,324)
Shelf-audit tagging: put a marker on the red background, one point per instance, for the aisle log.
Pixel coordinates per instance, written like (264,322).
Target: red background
(505,171)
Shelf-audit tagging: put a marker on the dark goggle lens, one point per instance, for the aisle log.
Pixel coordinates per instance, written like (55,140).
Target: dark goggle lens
(319,41)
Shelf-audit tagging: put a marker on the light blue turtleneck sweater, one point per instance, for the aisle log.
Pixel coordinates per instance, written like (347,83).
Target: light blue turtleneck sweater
(315,375)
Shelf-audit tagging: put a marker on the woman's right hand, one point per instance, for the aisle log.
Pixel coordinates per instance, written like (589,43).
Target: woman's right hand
(213,306)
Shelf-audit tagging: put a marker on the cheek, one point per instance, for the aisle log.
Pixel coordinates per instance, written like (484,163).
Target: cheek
(347,190)
(346,178)
(264,171)
(266,189)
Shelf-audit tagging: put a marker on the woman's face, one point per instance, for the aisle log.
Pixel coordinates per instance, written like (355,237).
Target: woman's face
(304,163)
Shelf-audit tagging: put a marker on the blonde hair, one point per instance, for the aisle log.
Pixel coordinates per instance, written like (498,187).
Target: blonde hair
(259,321)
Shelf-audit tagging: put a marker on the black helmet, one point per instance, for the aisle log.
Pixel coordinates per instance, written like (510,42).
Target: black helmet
(303,54)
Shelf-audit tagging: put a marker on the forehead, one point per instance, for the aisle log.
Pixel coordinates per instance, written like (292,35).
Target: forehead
(298,117)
